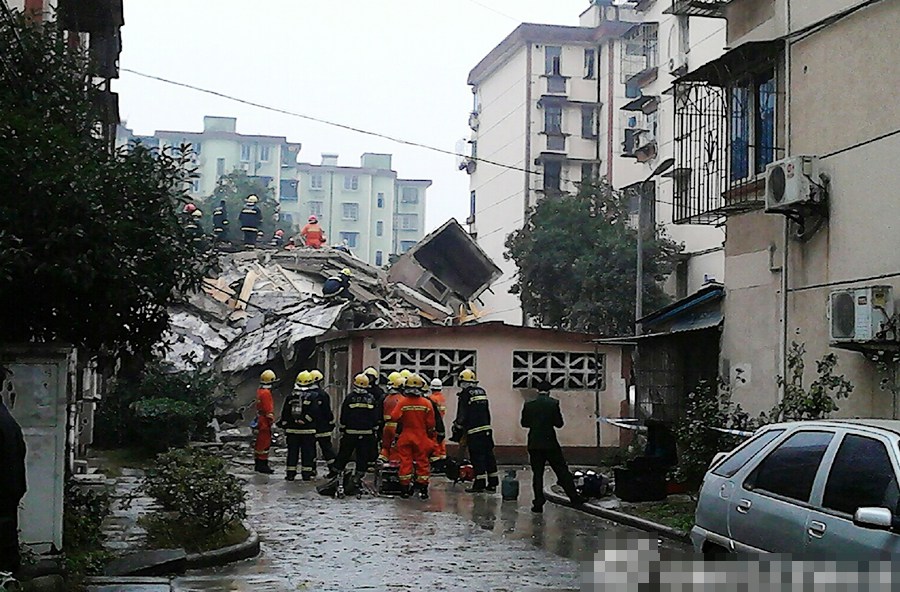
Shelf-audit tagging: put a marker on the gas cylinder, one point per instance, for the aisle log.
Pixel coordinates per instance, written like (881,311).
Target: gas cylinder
(509,488)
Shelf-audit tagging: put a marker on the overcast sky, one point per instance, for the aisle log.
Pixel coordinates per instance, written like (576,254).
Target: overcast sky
(397,67)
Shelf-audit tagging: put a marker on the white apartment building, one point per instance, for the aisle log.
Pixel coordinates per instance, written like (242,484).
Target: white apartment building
(368,206)
(220,150)
(671,39)
(547,100)
(594,100)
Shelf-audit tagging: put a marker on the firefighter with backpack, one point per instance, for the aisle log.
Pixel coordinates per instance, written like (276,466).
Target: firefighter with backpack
(299,422)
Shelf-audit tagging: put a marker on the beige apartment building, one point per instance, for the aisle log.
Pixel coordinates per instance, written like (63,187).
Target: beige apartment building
(810,240)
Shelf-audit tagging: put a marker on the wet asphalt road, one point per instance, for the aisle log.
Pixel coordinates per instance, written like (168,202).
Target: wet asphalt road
(454,541)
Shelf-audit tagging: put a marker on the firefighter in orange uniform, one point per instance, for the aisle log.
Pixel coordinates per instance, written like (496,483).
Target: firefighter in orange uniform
(312,234)
(416,429)
(265,417)
(439,455)
(389,429)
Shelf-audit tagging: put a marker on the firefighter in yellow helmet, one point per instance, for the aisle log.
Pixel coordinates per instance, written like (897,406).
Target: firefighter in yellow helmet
(396,382)
(473,422)
(265,417)
(338,286)
(299,423)
(251,221)
(324,421)
(359,420)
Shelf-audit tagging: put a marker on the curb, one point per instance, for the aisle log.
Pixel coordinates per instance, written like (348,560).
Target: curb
(225,555)
(621,518)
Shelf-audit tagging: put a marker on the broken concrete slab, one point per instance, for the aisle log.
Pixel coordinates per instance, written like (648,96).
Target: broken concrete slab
(158,562)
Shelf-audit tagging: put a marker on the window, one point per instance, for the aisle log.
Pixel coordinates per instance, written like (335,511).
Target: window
(406,245)
(751,108)
(430,363)
(288,189)
(588,174)
(552,60)
(410,195)
(408,221)
(744,453)
(379,258)
(315,208)
(197,147)
(563,370)
(553,119)
(245,152)
(380,200)
(352,239)
(350,211)
(264,153)
(351,183)
(588,121)
(861,476)
(195,185)
(552,176)
(220,167)
(590,62)
(316,182)
(379,228)
(790,469)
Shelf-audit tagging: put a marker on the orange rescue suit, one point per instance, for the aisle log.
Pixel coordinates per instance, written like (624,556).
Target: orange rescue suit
(440,448)
(388,450)
(416,425)
(265,411)
(313,235)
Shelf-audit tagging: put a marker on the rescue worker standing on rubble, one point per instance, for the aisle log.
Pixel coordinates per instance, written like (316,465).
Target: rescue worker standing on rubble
(439,454)
(312,234)
(265,417)
(416,430)
(251,219)
(277,239)
(389,428)
(324,421)
(473,422)
(359,421)
(541,417)
(299,424)
(220,222)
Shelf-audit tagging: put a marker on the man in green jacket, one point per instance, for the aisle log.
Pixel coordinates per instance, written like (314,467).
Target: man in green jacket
(542,416)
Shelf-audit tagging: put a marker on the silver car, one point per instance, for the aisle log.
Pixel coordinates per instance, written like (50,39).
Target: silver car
(819,489)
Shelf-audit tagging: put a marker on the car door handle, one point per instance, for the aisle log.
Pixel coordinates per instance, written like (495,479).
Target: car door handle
(816,529)
(744,506)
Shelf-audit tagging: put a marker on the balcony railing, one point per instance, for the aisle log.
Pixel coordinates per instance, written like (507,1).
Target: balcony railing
(705,8)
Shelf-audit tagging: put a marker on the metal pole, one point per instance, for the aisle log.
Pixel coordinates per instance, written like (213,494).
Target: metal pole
(639,280)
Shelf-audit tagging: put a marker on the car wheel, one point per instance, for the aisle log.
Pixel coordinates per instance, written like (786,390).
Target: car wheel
(713,551)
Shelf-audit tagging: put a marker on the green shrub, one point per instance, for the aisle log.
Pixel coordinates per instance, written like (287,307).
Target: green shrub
(84,511)
(165,423)
(196,488)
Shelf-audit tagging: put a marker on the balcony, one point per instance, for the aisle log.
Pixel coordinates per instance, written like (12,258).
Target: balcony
(640,57)
(702,8)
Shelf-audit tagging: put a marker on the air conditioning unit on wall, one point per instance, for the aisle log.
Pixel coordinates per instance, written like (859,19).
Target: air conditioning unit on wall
(793,183)
(860,315)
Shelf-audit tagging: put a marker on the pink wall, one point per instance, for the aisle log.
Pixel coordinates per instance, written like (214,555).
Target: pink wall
(495,351)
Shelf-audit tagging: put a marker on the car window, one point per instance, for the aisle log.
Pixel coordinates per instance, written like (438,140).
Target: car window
(791,468)
(861,476)
(741,455)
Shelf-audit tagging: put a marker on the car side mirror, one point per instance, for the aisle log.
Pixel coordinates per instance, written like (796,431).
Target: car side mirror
(875,518)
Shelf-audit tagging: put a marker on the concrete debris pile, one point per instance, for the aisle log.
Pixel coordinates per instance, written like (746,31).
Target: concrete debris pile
(268,304)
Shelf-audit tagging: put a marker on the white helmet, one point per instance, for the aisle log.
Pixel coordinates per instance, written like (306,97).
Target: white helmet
(436,384)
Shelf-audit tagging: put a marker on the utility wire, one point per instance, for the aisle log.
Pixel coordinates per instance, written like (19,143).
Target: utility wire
(495,11)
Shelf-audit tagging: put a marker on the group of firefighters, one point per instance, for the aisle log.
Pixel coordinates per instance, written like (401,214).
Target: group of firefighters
(402,425)
(250,218)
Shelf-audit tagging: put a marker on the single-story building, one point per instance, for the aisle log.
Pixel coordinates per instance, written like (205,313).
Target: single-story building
(588,378)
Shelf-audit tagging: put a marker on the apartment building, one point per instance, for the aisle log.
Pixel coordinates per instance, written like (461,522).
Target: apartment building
(546,104)
(368,206)
(799,166)
(219,150)
(670,39)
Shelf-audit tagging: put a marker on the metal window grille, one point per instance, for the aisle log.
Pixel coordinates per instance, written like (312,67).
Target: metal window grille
(574,371)
(641,50)
(445,364)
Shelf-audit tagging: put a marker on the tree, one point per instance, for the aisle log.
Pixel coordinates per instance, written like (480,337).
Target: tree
(92,248)
(234,188)
(577,257)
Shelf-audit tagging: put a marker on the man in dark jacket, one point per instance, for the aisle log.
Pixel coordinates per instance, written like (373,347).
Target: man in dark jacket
(473,422)
(250,219)
(542,416)
(12,485)
(324,421)
(220,222)
(360,417)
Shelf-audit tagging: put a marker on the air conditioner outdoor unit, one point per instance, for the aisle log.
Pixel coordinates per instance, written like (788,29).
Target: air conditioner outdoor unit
(793,182)
(677,64)
(860,315)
